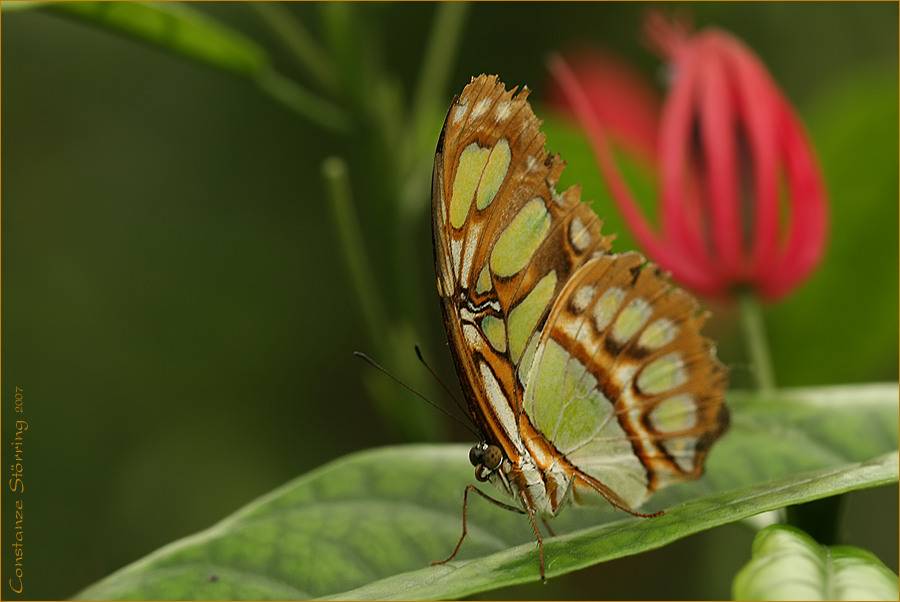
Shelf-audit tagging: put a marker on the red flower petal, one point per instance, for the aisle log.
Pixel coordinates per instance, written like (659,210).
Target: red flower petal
(668,259)
(624,101)
(730,153)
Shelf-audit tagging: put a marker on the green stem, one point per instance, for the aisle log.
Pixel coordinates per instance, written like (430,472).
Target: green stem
(419,137)
(757,342)
(820,518)
(300,100)
(414,422)
(337,182)
(446,32)
(301,43)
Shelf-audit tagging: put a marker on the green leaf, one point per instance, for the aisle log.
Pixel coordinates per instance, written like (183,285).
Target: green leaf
(798,430)
(788,564)
(182,31)
(368,525)
(22,5)
(175,27)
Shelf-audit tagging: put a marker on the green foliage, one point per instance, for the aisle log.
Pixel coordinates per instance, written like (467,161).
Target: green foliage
(171,26)
(858,153)
(366,526)
(788,564)
(175,27)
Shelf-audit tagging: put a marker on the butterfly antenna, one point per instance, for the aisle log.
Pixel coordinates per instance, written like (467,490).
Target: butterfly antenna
(438,379)
(385,371)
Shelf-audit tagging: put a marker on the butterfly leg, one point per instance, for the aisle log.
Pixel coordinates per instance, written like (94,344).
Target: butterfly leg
(537,532)
(611,497)
(469,488)
(547,524)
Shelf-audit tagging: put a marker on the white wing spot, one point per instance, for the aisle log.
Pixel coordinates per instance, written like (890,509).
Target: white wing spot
(683,451)
(631,319)
(480,107)
(607,307)
(460,111)
(582,298)
(662,375)
(579,234)
(456,256)
(500,405)
(658,333)
(465,272)
(503,111)
(473,336)
(675,414)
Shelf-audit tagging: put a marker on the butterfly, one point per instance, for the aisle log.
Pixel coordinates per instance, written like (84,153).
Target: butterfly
(584,371)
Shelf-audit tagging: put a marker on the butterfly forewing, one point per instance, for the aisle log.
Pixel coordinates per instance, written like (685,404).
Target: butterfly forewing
(586,369)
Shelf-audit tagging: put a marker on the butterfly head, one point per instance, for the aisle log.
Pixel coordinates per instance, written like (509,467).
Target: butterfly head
(486,459)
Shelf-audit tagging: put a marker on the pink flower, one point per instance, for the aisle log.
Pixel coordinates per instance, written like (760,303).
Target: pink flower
(742,200)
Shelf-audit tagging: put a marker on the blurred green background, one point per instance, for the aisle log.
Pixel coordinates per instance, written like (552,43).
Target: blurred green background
(180,317)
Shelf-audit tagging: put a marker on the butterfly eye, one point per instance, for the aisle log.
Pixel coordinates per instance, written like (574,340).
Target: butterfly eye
(486,459)
(476,454)
(492,457)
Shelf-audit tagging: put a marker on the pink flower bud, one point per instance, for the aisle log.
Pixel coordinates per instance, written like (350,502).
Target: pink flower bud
(742,199)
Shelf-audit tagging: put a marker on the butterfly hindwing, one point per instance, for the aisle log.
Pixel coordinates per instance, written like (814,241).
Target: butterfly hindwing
(622,383)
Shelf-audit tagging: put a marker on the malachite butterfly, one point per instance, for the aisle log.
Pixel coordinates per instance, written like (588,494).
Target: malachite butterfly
(584,371)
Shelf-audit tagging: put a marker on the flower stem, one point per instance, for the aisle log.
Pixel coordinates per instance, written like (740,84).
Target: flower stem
(303,102)
(303,45)
(337,182)
(447,31)
(757,342)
